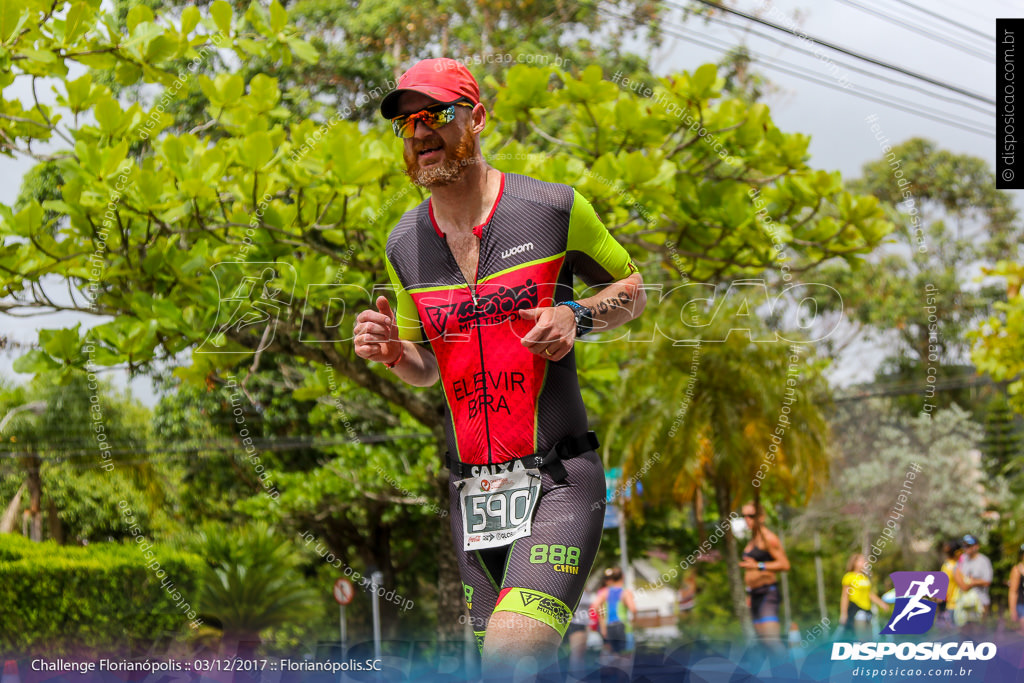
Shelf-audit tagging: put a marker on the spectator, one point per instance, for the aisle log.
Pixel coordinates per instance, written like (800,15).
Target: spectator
(620,601)
(952,550)
(1017,590)
(973,575)
(576,635)
(855,603)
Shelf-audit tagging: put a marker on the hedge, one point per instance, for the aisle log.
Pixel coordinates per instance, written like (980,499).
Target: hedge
(99,598)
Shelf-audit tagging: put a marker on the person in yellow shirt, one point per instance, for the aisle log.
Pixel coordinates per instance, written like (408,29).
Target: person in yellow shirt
(855,604)
(952,549)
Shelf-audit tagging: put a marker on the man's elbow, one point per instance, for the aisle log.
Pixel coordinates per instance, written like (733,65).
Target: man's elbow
(637,294)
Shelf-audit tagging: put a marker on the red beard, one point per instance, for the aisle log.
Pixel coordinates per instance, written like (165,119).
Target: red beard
(457,157)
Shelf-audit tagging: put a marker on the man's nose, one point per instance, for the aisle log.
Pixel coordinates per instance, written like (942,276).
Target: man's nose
(421,129)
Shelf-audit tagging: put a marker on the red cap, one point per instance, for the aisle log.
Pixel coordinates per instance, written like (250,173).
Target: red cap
(444,80)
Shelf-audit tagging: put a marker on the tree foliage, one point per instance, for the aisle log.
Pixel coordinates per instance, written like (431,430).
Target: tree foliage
(917,290)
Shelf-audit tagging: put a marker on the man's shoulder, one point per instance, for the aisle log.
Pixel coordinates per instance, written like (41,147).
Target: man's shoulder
(410,221)
(556,195)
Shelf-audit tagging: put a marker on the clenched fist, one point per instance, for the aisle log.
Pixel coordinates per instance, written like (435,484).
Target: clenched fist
(376,334)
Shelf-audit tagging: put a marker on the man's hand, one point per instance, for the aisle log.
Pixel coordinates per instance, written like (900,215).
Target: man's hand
(553,335)
(376,334)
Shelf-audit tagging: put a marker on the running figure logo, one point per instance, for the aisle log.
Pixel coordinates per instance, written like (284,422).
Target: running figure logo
(916,597)
(252,297)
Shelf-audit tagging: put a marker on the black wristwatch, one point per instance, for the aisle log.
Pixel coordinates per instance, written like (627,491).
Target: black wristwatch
(584,321)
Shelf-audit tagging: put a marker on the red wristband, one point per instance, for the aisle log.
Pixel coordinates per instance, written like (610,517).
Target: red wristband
(401,355)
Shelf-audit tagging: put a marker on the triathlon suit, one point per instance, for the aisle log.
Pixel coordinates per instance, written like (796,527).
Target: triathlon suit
(615,627)
(503,402)
(764,600)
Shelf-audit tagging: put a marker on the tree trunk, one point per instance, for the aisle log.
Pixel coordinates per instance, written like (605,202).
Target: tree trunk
(35,492)
(56,528)
(698,517)
(736,589)
(11,513)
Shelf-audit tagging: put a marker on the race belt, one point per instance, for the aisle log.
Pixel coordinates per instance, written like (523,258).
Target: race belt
(497,501)
(566,448)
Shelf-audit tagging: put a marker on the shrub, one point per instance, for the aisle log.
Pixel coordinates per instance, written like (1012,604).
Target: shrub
(60,599)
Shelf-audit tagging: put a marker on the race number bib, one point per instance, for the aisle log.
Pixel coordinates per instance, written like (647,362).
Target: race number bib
(498,508)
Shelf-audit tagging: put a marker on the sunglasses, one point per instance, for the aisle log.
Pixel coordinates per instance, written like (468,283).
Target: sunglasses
(750,516)
(434,117)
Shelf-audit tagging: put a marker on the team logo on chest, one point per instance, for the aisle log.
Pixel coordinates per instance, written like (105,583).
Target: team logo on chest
(489,309)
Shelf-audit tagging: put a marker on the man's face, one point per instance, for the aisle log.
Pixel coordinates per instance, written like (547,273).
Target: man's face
(435,158)
(972,550)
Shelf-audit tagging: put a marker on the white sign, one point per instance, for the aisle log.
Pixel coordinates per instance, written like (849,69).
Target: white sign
(343,591)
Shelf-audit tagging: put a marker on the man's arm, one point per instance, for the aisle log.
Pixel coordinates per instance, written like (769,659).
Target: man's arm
(986,574)
(555,332)
(376,339)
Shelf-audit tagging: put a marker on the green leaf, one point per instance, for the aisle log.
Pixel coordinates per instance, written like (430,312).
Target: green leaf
(221,13)
(704,79)
(108,115)
(278,17)
(63,344)
(257,150)
(13,16)
(139,14)
(159,49)
(303,50)
(35,362)
(189,19)
(75,23)
(263,90)
(78,92)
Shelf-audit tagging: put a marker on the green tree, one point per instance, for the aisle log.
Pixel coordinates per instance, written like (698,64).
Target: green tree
(875,448)
(75,458)
(729,414)
(949,219)
(250,584)
(998,342)
(276,205)
(1002,444)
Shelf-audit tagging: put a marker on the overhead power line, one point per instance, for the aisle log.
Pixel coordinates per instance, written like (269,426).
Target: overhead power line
(881,77)
(878,97)
(910,26)
(945,19)
(912,387)
(847,51)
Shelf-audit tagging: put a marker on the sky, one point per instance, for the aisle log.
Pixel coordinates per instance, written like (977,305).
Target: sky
(836,119)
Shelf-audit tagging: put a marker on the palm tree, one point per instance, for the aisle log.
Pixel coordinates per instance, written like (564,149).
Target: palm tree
(251,584)
(718,412)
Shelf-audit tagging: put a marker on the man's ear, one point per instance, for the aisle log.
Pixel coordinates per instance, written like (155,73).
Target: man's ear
(479,114)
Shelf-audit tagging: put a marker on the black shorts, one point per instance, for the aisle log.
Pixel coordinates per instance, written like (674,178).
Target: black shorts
(764,604)
(541,576)
(615,636)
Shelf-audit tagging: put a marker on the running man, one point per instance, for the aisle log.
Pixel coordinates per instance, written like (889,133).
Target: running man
(763,558)
(914,606)
(620,603)
(484,271)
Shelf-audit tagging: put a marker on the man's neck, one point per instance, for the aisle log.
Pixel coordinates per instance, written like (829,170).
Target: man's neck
(465,204)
